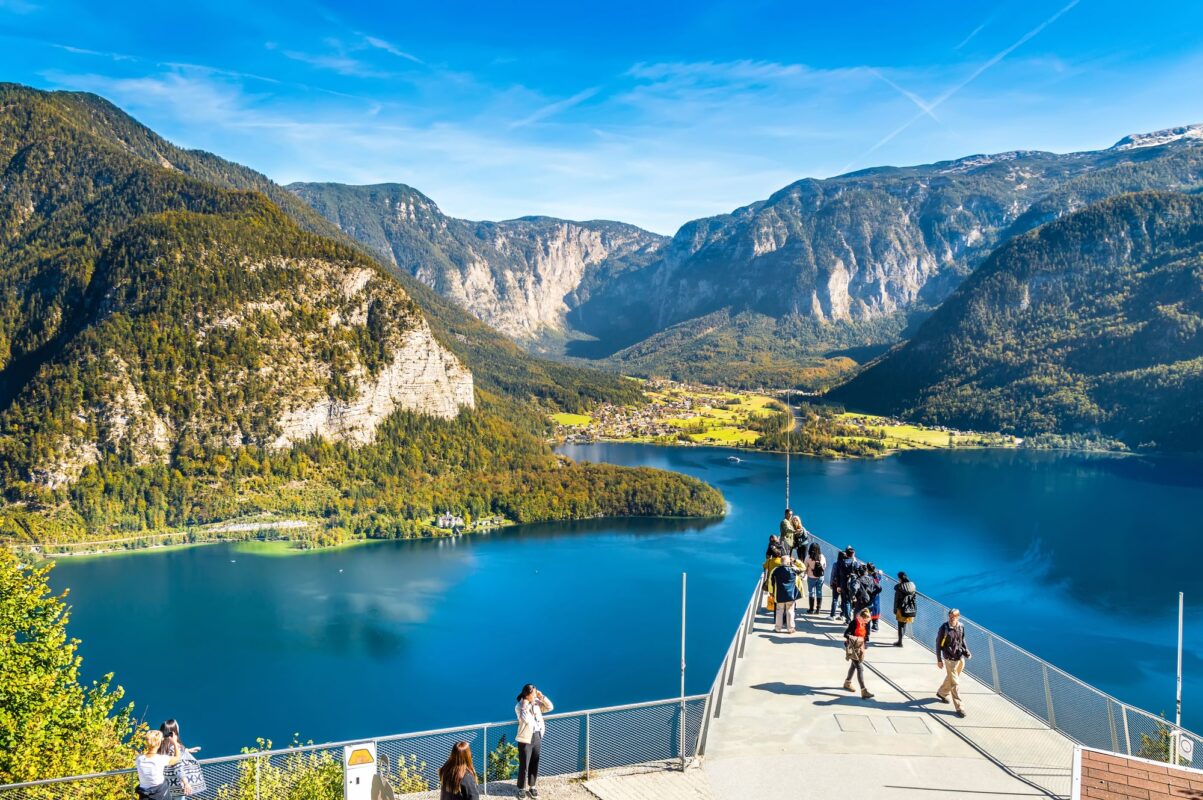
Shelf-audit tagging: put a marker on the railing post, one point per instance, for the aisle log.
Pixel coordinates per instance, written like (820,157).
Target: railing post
(587,731)
(1111,725)
(718,701)
(1127,736)
(731,670)
(993,665)
(743,637)
(1048,698)
(485,747)
(258,769)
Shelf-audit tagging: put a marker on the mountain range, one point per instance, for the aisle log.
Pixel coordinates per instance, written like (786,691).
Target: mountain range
(1089,326)
(784,290)
(181,340)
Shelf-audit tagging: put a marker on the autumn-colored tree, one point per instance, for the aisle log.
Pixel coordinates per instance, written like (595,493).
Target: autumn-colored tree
(50,724)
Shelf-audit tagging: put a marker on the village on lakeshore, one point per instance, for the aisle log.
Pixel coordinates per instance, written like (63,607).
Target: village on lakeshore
(686,413)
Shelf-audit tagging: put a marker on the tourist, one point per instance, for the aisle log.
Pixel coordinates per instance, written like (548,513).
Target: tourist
(844,567)
(783,581)
(873,575)
(952,651)
(772,560)
(787,532)
(856,639)
(906,603)
(816,567)
(152,767)
(457,777)
(532,705)
(172,746)
(774,548)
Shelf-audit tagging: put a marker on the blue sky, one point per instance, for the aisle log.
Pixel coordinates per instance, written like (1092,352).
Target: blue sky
(651,113)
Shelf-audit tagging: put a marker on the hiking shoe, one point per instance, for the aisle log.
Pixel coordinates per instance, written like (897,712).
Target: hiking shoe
(942,698)
(866,694)
(961,713)
(898,643)
(848,686)
(534,792)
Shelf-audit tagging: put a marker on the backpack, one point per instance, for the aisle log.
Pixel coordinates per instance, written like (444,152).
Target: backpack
(816,568)
(908,605)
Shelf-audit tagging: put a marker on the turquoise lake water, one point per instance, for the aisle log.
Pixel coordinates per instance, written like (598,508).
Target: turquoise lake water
(1077,558)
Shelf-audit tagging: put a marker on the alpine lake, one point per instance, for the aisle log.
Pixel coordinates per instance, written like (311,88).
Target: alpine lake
(1077,558)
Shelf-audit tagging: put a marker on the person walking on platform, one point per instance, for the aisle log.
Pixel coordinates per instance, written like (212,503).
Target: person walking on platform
(856,639)
(952,651)
(906,602)
(816,568)
(843,569)
(532,705)
(783,582)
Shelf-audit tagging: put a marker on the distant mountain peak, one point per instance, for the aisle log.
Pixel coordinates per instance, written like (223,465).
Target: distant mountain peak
(1159,137)
(982,160)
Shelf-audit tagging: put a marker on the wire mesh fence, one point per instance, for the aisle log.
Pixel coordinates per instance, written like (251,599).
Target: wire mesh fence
(1054,698)
(576,743)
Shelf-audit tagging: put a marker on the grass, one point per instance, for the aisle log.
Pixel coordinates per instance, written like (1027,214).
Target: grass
(284,548)
(572,420)
(917,437)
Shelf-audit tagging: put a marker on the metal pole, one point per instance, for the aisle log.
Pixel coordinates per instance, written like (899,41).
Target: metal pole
(1178,699)
(587,727)
(1178,712)
(682,724)
(486,759)
(790,411)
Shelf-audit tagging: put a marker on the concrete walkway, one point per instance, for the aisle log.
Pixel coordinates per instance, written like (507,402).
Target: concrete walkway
(788,729)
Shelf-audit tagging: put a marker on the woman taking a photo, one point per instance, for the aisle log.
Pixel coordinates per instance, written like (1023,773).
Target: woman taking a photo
(151,766)
(532,705)
(457,778)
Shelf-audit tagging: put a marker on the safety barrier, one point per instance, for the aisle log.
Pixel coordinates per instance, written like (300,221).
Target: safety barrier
(1065,704)
(576,744)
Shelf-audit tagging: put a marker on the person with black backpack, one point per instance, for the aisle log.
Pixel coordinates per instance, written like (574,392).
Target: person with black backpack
(860,589)
(783,582)
(952,651)
(840,574)
(816,568)
(906,603)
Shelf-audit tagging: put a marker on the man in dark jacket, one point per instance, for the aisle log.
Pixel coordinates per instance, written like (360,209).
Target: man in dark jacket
(952,651)
(785,593)
(843,569)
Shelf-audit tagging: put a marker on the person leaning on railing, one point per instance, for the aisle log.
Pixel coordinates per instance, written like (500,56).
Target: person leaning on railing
(532,705)
(152,766)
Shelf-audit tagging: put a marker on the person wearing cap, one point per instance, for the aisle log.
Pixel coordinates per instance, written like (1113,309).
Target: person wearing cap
(952,651)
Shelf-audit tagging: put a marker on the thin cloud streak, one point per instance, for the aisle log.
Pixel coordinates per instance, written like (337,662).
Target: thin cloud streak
(999,56)
(552,109)
(973,33)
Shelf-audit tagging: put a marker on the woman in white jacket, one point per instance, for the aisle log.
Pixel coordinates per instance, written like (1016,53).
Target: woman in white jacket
(532,705)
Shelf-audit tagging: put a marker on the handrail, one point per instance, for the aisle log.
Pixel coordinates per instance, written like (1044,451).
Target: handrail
(307,748)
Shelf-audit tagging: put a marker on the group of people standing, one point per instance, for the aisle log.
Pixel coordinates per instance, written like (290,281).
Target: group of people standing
(795,567)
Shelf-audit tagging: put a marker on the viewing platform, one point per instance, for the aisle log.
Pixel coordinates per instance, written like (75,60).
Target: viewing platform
(777,723)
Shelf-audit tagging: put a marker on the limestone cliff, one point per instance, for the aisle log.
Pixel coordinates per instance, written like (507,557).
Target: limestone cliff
(521,276)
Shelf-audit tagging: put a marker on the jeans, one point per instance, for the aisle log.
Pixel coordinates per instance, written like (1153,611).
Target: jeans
(857,667)
(528,760)
(835,598)
(814,588)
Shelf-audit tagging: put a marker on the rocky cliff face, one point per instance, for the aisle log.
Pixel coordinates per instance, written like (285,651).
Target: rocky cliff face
(867,245)
(521,276)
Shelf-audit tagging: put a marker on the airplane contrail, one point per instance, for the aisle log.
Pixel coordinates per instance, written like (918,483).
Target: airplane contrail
(927,111)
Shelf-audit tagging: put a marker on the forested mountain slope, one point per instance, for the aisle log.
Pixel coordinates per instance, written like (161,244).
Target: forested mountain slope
(1091,325)
(173,351)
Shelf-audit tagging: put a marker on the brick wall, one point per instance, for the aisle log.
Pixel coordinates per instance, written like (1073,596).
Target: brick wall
(1107,776)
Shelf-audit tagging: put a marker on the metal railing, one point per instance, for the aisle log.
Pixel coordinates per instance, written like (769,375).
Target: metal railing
(576,744)
(726,670)
(1065,704)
